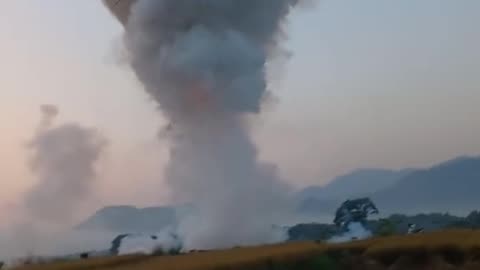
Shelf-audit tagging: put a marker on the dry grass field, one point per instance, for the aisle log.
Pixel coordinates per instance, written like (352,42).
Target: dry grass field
(456,249)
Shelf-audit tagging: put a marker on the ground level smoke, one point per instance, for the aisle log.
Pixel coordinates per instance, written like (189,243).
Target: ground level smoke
(356,231)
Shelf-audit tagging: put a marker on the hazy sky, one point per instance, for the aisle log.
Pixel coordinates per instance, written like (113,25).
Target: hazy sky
(371,83)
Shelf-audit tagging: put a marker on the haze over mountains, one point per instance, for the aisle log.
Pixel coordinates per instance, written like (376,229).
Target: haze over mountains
(452,186)
(130,219)
(361,182)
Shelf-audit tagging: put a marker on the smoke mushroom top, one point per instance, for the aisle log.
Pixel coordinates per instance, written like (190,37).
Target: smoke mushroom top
(205,56)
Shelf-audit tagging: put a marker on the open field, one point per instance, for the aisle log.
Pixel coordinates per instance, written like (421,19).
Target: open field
(456,249)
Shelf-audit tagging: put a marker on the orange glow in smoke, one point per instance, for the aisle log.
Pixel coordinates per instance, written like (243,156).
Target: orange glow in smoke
(199,97)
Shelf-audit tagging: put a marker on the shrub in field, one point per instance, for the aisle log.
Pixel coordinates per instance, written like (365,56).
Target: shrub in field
(166,252)
(386,227)
(323,262)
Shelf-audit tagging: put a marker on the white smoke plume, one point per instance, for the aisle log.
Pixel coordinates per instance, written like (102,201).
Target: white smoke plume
(356,231)
(166,241)
(204,63)
(63,161)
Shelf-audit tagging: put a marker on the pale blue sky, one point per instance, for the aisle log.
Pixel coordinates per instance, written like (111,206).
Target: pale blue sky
(372,83)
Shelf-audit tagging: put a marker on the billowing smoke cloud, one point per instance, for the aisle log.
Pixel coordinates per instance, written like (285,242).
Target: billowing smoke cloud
(204,62)
(63,162)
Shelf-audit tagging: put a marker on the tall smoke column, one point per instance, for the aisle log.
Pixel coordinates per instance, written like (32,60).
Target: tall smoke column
(63,161)
(204,62)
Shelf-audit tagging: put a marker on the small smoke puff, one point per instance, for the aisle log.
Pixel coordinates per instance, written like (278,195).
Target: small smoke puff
(63,160)
(49,110)
(356,231)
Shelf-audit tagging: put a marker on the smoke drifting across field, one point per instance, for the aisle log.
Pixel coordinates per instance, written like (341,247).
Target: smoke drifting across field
(356,231)
(204,63)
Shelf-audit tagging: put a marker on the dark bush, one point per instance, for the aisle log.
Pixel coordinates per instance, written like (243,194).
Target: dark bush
(452,254)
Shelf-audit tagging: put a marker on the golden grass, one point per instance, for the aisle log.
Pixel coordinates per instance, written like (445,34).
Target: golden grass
(97,263)
(455,243)
(239,257)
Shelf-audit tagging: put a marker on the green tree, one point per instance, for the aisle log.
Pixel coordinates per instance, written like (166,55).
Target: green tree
(356,210)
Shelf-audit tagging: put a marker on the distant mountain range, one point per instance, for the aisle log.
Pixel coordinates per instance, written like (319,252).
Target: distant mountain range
(363,182)
(357,183)
(130,219)
(452,186)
